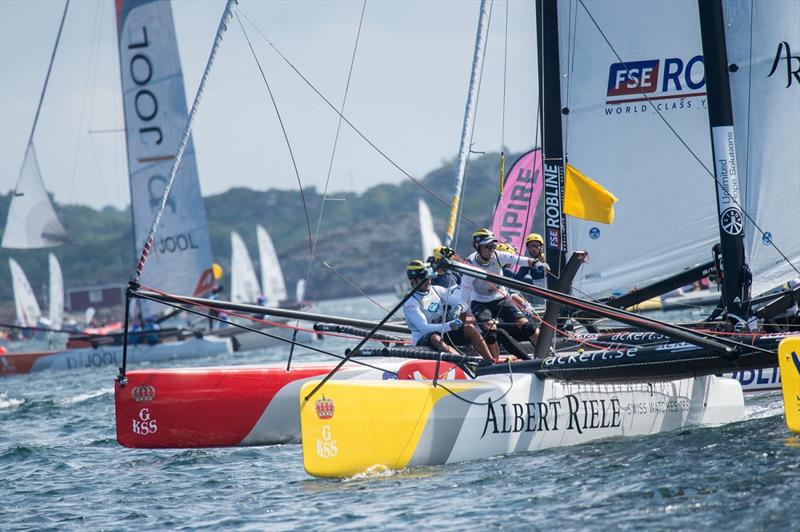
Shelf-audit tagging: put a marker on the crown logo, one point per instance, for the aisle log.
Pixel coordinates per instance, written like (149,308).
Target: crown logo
(143,393)
(324,408)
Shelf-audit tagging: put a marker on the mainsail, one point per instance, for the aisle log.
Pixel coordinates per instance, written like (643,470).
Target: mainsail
(155,115)
(244,283)
(271,273)
(427,233)
(56,290)
(516,209)
(32,221)
(28,311)
(763,41)
(618,98)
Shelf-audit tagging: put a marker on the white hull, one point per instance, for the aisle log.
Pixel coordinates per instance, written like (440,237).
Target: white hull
(411,424)
(104,356)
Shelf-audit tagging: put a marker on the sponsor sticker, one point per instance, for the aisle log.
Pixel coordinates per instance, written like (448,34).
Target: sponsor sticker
(145,425)
(594,233)
(324,408)
(143,393)
(326,445)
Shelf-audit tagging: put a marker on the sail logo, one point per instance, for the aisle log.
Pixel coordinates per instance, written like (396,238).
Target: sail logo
(655,79)
(792,64)
(552,206)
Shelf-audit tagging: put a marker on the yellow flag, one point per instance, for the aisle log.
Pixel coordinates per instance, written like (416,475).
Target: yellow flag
(585,199)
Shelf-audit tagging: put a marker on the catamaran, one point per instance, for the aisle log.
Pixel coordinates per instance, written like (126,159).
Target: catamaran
(154,110)
(568,398)
(622,83)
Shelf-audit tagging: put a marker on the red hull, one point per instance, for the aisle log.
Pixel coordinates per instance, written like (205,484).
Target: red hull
(211,407)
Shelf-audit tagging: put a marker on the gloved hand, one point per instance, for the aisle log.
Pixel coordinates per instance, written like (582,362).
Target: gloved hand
(456,324)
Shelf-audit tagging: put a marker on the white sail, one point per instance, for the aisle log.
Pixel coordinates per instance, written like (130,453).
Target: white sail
(56,289)
(155,115)
(32,221)
(271,273)
(763,41)
(28,312)
(244,282)
(300,290)
(429,237)
(666,216)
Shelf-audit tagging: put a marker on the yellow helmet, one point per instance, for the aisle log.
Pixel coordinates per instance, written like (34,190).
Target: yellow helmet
(417,269)
(508,248)
(483,237)
(442,252)
(534,237)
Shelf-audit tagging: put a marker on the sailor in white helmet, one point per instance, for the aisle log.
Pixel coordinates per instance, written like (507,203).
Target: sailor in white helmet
(488,301)
(435,317)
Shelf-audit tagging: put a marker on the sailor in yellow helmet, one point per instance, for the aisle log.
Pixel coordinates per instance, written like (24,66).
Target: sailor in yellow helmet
(442,277)
(536,273)
(435,317)
(489,301)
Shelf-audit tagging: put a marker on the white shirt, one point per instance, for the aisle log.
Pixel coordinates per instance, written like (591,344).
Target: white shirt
(425,312)
(485,291)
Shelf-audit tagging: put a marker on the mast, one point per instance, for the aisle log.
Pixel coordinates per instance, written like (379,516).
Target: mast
(552,146)
(735,279)
(469,118)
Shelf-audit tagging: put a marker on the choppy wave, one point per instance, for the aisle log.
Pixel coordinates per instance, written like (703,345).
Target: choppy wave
(9,402)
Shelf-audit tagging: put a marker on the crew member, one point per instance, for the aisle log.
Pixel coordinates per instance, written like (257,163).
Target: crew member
(444,278)
(489,301)
(535,274)
(435,317)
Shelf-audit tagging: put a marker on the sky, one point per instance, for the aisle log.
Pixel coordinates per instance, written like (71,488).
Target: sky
(407,93)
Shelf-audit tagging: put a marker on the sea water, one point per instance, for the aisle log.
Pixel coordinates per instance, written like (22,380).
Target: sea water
(60,467)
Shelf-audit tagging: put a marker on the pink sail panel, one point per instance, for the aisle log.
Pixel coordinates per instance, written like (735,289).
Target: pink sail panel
(515,212)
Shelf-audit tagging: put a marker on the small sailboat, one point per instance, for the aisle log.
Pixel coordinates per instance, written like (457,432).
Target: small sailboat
(428,234)
(25,304)
(155,112)
(245,288)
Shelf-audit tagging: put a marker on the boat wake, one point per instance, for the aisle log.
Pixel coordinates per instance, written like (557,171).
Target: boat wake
(9,402)
(85,396)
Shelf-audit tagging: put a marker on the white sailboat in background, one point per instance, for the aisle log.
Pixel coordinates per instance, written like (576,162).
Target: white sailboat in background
(181,261)
(274,287)
(27,308)
(56,291)
(244,283)
(428,234)
(32,222)
(245,288)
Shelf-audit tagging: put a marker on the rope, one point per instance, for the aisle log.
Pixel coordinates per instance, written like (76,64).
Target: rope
(352,126)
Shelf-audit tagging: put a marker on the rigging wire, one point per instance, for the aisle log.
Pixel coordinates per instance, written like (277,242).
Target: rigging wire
(352,126)
(311,241)
(336,142)
(283,131)
(460,211)
(503,105)
(683,142)
(91,75)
